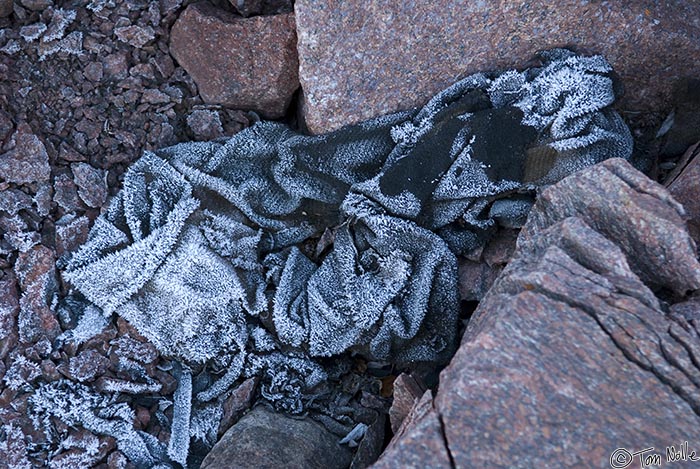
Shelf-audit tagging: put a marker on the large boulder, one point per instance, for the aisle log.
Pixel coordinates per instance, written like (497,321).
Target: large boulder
(242,63)
(363,59)
(571,359)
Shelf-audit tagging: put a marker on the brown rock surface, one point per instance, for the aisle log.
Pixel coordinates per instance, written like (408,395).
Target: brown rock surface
(26,160)
(266,439)
(685,188)
(9,308)
(570,356)
(248,63)
(5,8)
(407,391)
(363,59)
(36,272)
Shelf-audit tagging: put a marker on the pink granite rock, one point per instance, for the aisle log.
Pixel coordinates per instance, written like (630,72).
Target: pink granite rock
(244,63)
(363,59)
(684,185)
(570,356)
(27,160)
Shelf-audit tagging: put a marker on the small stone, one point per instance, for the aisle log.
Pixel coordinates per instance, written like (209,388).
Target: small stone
(69,45)
(475,279)
(66,194)
(240,63)
(27,161)
(71,232)
(6,125)
(92,184)
(93,71)
(60,20)
(138,350)
(68,153)
(500,248)
(12,47)
(153,96)
(205,124)
(9,309)
(116,65)
(136,36)
(264,439)
(49,371)
(5,10)
(36,273)
(88,365)
(32,32)
(407,392)
(14,200)
(237,403)
(685,188)
(42,198)
(36,5)
(117,460)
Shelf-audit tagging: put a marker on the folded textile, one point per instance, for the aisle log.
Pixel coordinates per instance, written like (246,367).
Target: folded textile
(272,243)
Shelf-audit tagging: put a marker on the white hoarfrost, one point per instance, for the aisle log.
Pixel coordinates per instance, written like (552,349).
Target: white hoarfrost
(205,251)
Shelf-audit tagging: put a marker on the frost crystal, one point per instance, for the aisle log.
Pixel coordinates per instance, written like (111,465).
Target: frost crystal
(263,254)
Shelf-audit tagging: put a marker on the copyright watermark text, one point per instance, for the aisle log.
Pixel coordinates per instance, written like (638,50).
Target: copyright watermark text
(649,457)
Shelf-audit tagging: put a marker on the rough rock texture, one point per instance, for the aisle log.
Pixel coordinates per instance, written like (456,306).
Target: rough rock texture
(407,390)
(265,439)
(241,63)
(27,160)
(36,272)
(570,355)
(362,59)
(5,8)
(9,308)
(684,186)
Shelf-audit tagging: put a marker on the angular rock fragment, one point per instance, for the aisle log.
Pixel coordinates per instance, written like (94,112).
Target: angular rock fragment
(5,8)
(92,184)
(36,272)
(407,391)
(240,63)
(134,35)
(27,160)
(87,365)
(9,308)
(13,200)
(71,232)
(572,332)
(265,439)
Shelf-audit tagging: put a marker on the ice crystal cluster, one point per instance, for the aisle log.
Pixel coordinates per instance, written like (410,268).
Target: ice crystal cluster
(265,253)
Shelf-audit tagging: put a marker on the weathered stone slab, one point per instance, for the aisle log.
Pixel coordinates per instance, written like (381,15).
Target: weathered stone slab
(363,59)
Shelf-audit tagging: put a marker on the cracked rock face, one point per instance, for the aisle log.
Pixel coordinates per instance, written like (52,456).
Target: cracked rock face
(571,355)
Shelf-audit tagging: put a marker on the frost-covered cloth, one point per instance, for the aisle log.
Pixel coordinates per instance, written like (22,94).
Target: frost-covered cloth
(265,252)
